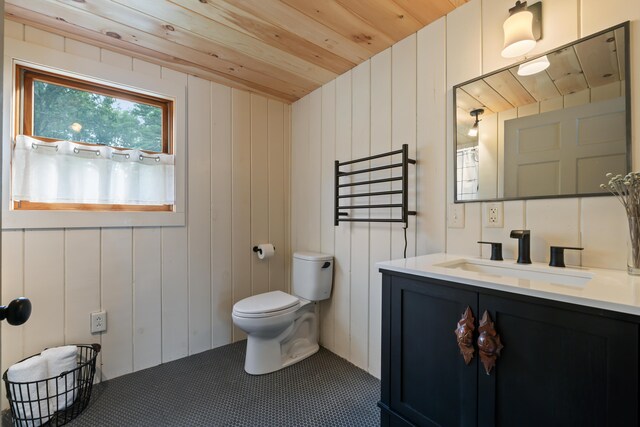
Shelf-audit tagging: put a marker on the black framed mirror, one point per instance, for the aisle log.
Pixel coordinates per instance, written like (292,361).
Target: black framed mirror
(550,126)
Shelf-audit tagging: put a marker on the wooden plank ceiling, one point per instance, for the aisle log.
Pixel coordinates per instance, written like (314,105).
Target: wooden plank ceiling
(280,48)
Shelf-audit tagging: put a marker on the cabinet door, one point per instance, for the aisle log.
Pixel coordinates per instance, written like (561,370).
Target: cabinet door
(430,385)
(558,367)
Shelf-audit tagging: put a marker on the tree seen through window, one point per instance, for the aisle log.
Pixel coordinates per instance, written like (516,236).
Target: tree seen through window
(66,113)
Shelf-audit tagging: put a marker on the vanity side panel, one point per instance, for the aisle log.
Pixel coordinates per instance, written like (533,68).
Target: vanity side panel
(385,364)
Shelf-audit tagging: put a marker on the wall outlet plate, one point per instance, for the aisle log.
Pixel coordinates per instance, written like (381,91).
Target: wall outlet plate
(98,322)
(455,215)
(493,215)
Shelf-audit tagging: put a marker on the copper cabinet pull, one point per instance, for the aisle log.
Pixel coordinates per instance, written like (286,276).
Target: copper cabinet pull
(489,344)
(464,335)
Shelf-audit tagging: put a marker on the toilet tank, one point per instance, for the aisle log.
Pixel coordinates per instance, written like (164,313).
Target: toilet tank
(312,275)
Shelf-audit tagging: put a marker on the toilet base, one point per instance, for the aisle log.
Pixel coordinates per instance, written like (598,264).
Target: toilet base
(308,349)
(296,343)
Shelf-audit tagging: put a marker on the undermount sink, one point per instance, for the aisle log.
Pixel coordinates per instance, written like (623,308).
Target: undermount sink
(541,273)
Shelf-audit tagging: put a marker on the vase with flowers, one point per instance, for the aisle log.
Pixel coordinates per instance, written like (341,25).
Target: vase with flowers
(627,190)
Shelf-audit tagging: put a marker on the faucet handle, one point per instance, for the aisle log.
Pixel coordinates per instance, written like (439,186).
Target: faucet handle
(496,250)
(556,255)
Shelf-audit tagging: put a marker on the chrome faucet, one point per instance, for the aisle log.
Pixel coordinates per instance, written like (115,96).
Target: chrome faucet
(524,245)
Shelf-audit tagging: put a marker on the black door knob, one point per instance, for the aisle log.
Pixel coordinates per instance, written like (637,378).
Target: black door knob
(17,312)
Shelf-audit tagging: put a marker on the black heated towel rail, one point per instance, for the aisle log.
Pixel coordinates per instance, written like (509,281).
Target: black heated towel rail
(339,212)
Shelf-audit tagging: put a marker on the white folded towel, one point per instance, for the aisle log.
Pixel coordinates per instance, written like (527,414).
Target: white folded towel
(59,360)
(30,400)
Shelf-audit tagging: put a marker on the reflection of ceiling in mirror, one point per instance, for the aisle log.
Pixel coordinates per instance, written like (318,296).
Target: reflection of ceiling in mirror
(591,63)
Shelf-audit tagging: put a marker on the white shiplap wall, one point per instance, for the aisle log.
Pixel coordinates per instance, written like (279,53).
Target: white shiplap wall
(395,98)
(168,291)
(404,95)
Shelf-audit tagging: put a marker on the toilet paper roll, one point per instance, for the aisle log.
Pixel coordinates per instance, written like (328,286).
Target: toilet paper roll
(266,251)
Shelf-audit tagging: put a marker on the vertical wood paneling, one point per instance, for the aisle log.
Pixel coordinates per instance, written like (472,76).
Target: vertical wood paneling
(259,192)
(327,227)
(117,300)
(175,294)
(463,241)
(417,82)
(299,150)
(464,43)
(563,230)
(318,133)
(464,37)
(221,233)
(380,233)
(175,266)
(148,69)
(44,285)
(342,263)
(84,50)
(168,291)
(12,348)
(312,167)
(13,29)
(603,245)
(241,198)
(403,116)
(116,59)
(199,220)
(147,297)
(43,38)
(431,169)
(82,284)
(287,194)
(276,191)
(360,147)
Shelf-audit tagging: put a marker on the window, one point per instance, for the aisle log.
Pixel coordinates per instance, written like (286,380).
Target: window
(89,146)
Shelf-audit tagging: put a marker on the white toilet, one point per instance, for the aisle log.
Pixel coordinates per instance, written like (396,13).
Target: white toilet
(282,329)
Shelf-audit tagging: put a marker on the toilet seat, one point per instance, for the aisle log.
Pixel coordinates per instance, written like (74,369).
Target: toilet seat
(268,304)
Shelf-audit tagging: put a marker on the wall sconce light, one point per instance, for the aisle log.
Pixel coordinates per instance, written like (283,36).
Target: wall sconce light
(473,130)
(521,29)
(534,66)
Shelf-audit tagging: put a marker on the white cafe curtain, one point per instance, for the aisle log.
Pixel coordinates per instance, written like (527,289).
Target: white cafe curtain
(66,172)
(467,173)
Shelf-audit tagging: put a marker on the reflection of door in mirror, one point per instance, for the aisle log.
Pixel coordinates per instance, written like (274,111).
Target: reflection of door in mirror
(564,152)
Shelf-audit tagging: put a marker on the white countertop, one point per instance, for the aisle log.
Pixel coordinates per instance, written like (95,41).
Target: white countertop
(613,290)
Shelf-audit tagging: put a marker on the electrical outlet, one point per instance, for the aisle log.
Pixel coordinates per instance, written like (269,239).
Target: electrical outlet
(455,217)
(493,215)
(98,322)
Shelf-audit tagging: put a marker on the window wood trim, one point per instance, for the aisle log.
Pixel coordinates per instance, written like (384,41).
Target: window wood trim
(40,206)
(27,76)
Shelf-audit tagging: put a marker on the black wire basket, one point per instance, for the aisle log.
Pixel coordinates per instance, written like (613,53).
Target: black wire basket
(34,403)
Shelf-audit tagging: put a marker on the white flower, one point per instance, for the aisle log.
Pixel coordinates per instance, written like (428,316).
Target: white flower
(627,190)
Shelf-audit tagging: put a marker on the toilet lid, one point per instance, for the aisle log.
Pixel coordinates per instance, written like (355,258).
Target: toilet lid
(266,303)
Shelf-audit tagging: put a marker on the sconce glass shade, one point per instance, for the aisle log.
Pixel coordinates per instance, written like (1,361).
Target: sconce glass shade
(518,34)
(473,131)
(532,67)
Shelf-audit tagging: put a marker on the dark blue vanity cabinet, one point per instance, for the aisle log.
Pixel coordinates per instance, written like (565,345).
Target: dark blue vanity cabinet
(561,364)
